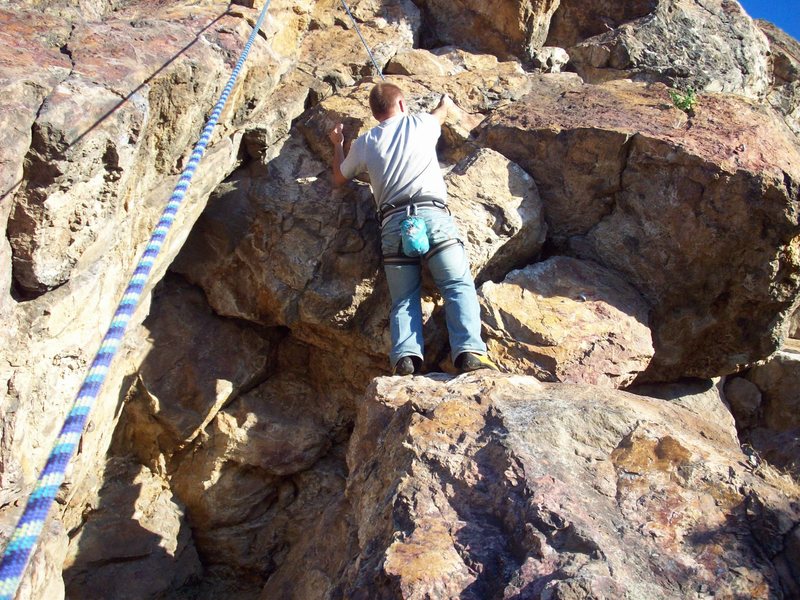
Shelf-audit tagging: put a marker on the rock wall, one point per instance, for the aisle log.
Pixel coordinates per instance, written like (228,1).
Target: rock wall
(243,446)
(102,107)
(785,69)
(710,46)
(493,486)
(764,401)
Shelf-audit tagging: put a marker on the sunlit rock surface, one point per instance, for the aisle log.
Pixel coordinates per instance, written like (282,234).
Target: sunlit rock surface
(234,450)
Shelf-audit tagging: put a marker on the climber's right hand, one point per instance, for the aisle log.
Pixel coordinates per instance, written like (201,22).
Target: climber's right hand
(336,135)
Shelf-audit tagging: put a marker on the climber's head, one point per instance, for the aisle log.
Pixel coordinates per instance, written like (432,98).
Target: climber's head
(386,100)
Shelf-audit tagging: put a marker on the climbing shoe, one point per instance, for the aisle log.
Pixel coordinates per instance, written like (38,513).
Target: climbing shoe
(469,361)
(404,366)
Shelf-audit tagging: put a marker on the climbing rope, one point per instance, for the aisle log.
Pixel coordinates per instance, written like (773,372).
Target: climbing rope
(363,41)
(30,525)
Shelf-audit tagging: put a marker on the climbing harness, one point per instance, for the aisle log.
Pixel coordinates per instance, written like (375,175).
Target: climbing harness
(414,241)
(30,525)
(389,209)
(443,246)
(400,259)
(363,41)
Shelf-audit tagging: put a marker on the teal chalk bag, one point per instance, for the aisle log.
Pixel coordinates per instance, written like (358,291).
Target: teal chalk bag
(414,235)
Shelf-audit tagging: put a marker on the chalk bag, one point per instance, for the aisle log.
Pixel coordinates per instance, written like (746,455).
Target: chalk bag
(414,235)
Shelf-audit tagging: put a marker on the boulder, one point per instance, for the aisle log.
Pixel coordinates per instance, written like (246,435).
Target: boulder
(777,379)
(504,28)
(499,213)
(575,21)
(492,485)
(135,543)
(665,200)
(706,398)
(745,399)
(265,459)
(710,46)
(567,320)
(577,183)
(195,363)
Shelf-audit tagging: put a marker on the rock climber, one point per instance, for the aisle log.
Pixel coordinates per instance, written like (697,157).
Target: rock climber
(399,154)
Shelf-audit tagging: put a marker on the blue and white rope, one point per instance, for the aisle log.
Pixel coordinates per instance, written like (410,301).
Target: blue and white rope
(30,525)
(363,41)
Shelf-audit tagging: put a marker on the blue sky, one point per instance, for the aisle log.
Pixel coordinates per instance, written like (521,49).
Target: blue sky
(784,13)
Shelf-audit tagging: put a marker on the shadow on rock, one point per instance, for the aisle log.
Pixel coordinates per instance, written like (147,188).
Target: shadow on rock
(135,543)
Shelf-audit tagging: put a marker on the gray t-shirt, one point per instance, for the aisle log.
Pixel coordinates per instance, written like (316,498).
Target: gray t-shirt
(400,157)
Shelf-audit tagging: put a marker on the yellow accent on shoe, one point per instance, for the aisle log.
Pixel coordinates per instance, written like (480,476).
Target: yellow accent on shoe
(470,361)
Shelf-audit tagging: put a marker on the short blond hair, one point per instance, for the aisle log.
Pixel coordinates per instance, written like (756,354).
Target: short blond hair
(383,97)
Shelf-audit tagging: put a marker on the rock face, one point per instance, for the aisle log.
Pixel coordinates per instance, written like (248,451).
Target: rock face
(499,486)
(574,21)
(310,260)
(181,385)
(665,231)
(313,262)
(245,442)
(95,168)
(567,320)
(502,28)
(785,93)
(617,240)
(93,147)
(151,536)
(709,46)
(764,401)
(776,379)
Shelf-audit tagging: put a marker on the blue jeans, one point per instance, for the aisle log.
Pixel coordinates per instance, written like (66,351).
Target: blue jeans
(450,271)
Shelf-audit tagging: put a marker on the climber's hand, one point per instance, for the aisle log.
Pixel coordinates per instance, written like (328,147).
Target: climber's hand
(336,135)
(443,108)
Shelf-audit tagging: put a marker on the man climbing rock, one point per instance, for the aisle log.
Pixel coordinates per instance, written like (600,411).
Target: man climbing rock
(400,156)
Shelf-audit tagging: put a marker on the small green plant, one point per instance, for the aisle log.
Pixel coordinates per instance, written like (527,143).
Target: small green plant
(686,101)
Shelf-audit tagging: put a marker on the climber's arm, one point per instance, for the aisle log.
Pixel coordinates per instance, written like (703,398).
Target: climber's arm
(336,136)
(441,110)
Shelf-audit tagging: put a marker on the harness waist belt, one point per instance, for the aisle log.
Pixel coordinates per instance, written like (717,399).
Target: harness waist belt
(390,209)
